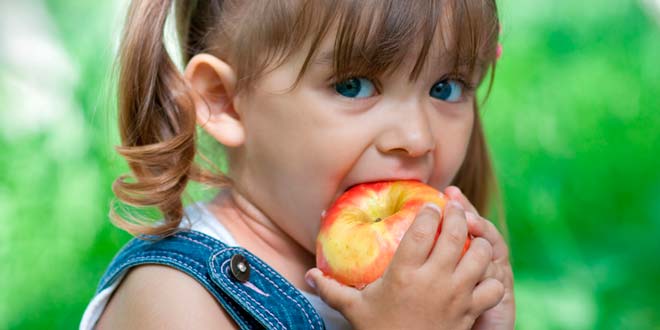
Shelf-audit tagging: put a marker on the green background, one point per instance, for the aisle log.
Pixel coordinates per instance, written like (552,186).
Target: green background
(573,122)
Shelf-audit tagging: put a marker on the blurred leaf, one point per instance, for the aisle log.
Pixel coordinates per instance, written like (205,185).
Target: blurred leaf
(572,122)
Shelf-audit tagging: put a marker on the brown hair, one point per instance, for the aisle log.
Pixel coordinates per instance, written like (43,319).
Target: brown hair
(157,117)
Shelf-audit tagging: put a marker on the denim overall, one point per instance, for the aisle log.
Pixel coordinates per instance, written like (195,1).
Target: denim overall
(253,293)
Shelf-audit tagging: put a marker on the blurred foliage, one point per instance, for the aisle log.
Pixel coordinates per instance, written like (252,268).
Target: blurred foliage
(573,122)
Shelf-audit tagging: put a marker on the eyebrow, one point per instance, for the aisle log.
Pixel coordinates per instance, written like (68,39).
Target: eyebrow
(325,58)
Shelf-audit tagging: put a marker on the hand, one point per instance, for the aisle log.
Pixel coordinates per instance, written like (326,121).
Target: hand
(427,285)
(502,316)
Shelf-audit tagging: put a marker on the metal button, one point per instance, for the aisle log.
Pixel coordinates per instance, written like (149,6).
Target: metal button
(239,267)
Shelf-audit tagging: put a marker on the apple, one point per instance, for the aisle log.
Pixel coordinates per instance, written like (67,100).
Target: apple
(362,229)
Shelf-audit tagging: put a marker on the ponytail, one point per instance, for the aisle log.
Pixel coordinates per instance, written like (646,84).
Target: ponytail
(156,124)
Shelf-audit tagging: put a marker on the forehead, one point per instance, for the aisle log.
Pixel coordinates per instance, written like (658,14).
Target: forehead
(326,54)
(417,53)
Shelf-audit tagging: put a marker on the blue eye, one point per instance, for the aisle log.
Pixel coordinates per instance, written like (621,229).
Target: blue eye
(447,90)
(355,88)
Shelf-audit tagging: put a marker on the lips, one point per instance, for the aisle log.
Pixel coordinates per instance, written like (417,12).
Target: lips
(384,179)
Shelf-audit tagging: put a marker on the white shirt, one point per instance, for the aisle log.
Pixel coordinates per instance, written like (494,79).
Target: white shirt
(200,219)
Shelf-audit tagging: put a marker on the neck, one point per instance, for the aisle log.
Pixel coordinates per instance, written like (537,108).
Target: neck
(256,232)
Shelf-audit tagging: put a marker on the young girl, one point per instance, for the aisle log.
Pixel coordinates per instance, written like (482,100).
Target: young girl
(307,98)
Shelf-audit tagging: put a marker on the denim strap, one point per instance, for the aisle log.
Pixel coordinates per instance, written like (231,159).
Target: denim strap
(265,300)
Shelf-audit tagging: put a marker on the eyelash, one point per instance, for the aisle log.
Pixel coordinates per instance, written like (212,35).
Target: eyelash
(334,80)
(468,87)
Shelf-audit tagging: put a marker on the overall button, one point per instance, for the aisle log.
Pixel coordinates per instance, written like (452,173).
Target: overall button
(239,267)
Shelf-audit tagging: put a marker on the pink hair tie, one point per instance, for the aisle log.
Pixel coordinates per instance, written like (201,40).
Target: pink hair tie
(498,52)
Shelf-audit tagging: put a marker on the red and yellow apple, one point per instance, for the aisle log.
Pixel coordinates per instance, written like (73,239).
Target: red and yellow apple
(363,228)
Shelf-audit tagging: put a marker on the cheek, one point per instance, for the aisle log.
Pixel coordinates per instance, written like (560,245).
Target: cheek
(453,139)
(302,149)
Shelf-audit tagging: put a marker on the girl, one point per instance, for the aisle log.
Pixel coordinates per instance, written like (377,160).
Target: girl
(307,98)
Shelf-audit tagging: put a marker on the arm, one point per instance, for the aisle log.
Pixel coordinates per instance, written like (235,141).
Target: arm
(160,297)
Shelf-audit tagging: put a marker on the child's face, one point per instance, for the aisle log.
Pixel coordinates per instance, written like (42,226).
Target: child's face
(305,147)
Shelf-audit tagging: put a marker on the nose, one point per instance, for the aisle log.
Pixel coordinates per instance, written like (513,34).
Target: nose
(407,132)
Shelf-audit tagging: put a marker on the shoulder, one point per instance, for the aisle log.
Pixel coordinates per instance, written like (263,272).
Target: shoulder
(156,297)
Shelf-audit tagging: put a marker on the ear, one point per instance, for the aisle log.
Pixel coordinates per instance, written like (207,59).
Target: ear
(213,83)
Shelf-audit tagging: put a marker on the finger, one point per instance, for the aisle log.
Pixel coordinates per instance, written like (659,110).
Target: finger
(419,238)
(472,267)
(487,228)
(451,242)
(456,194)
(481,227)
(487,295)
(492,272)
(335,294)
(476,224)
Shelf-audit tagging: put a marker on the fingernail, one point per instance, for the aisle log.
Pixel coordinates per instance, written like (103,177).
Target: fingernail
(310,282)
(470,216)
(454,192)
(456,205)
(433,206)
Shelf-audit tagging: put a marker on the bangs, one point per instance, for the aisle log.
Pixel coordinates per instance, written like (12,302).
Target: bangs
(371,37)
(374,38)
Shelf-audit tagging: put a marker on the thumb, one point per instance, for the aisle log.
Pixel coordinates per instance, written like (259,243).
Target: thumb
(335,294)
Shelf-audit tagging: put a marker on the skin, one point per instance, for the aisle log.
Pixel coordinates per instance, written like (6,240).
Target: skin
(292,153)
(502,316)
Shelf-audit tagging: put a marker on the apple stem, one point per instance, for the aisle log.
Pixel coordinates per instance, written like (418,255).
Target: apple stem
(378,220)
